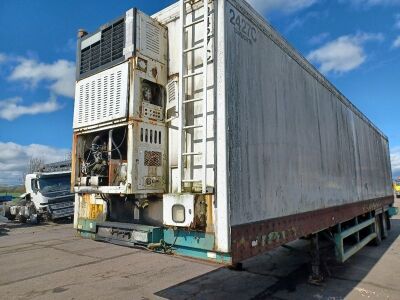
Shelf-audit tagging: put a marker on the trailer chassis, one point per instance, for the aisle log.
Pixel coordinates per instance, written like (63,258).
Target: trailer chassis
(251,239)
(362,223)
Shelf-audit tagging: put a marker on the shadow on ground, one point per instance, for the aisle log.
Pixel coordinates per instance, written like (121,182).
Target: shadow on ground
(4,229)
(7,226)
(283,274)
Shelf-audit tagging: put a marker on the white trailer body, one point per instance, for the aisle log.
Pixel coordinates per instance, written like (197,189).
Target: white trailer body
(261,148)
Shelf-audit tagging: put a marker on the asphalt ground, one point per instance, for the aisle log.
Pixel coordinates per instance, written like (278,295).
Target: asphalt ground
(50,262)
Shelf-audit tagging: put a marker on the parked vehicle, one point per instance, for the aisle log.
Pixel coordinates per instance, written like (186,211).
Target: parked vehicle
(396,187)
(48,196)
(5,198)
(187,129)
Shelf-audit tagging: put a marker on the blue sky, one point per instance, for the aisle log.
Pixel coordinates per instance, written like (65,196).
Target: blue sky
(355,43)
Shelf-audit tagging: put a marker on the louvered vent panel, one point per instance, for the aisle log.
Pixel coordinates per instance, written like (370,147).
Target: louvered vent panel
(153,38)
(102,97)
(171,91)
(172,99)
(107,49)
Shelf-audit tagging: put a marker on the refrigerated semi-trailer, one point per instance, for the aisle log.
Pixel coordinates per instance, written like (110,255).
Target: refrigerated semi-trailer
(200,131)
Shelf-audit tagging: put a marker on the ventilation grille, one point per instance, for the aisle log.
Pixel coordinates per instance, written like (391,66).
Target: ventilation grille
(108,49)
(152,158)
(172,100)
(102,97)
(150,136)
(153,39)
(172,91)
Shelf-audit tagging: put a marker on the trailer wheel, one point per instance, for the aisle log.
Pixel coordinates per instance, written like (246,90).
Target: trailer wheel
(378,229)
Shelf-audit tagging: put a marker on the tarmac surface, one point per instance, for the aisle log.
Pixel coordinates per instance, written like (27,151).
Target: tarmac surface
(50,262)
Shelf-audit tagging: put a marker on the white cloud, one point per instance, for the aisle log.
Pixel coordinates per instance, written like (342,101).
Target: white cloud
(298,22)
(60,75)
(396,42)
(319,38)
(370,3)
(3,57)
(12,108)
(14,159)
(395,159)
(397,21)
(266,6)
(343,54)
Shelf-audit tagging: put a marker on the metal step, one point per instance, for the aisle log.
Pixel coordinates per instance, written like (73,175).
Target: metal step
(193,126)
(192,74)
(128,233)
(192,100)
(194,23)
(193,48)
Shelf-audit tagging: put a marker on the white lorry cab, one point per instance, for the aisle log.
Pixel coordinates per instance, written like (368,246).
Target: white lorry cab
(47,196)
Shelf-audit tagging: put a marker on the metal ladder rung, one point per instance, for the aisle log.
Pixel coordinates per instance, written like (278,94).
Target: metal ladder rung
(192,126)
(188,71)
(191,153)
(209,36)
(193,74)
(194,48)
(191,2)
(194,23)
(191,180)
(192,100)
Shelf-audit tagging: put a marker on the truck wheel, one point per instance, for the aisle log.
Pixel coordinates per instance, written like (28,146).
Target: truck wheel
(378,229)
(21,219)
(7,213)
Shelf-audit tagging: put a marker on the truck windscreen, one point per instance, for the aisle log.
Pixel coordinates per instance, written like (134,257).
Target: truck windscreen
(54,184)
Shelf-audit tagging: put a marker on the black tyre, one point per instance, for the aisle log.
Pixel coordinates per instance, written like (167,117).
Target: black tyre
(21,219)
(7,213)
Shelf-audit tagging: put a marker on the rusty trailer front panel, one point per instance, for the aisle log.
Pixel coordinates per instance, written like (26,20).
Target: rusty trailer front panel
(252,239)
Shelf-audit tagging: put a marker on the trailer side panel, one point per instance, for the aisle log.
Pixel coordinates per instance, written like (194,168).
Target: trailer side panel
(295,144)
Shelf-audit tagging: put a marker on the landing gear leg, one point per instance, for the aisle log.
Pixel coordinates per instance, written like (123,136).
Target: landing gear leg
(316,276)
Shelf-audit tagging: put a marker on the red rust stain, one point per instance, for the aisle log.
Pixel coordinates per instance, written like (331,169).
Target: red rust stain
(254,238)
(154,72)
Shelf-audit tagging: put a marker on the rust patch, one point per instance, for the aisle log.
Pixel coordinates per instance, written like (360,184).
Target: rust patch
(251,239)
(154,72)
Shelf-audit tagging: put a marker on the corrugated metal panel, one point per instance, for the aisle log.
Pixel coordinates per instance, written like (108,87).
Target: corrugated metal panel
(102,97)
(295,143)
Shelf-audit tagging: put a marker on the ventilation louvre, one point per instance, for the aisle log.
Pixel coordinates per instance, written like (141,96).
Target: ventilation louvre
(172,99)
(153,39)
(102,97)
(107,46)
